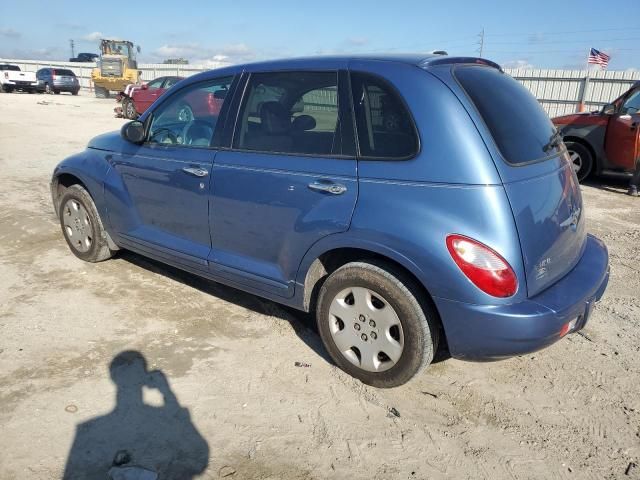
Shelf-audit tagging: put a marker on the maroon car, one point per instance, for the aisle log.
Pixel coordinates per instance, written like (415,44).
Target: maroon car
(141,97)
(608,139)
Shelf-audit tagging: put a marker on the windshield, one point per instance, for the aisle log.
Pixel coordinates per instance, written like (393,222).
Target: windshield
(13,68)
(520,127)
(113,47)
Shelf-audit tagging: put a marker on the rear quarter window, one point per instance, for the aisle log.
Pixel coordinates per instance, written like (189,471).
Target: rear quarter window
(520,127)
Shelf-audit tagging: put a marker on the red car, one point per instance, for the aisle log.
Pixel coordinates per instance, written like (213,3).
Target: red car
(198,104)
(140,98)
(604,140)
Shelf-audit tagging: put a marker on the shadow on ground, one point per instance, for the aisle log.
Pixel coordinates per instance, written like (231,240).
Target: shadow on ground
(303,323)
(137,441)
(610,182)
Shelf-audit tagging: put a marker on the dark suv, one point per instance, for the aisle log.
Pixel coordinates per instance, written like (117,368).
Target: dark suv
(56,80)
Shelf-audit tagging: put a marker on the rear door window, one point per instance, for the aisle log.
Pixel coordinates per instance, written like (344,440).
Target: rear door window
(385,126)
(520,127)
(290,112)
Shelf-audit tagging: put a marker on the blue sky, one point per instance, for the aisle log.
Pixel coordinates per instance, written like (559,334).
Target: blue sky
(541,33)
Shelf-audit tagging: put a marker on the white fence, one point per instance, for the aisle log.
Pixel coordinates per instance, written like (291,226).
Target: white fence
(559,91)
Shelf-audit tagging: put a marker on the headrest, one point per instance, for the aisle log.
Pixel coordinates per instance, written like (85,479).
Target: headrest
(275,118)
(303,123)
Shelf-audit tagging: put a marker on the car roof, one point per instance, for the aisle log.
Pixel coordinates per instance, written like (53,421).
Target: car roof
(421,60)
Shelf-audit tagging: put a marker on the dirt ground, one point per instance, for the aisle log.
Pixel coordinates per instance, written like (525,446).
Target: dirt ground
(235,404)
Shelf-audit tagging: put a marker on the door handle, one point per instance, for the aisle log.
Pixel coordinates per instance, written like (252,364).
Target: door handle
(195,171)
(328,187)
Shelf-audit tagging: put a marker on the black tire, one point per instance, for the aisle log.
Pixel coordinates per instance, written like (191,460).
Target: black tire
(56,92)
(75,92)
(417,317)
(578,152)
(101,92)
(99,249)
(129,109)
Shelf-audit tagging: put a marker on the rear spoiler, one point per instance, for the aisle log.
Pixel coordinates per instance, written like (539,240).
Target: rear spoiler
(446,60)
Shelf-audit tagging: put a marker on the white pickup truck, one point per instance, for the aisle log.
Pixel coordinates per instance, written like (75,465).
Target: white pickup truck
(11,78)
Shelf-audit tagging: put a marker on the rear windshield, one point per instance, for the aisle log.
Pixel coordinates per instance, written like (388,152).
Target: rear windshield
(519,125)
(62,71)
(13,68)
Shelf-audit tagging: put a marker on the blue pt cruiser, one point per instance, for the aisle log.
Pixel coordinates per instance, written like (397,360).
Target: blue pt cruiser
(407,200)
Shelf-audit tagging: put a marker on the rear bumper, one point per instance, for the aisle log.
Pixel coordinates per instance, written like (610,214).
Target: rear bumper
(66,87)
(491,332)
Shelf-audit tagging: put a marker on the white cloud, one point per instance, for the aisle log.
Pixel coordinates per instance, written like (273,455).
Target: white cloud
(210,56)
(521,64)
(9,33)
(93,37)
(33,53)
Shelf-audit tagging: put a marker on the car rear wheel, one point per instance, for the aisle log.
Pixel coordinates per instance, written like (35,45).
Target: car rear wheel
(185,114)
(75,92)
(581,159)
(376,324)
(82,227)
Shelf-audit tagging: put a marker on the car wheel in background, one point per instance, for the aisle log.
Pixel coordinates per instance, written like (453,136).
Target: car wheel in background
(581,159)
(47,88)
(101,92)
(57,92)
(376,323)
(185,114)
(82,227)
(129,109)
(75,92)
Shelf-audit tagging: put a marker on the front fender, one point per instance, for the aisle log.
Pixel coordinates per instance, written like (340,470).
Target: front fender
(90,168)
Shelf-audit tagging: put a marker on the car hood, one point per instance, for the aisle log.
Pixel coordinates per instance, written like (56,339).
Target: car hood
(106,141)
(584,118)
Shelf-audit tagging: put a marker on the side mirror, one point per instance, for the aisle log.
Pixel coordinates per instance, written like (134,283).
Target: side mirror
(144,86)
(133,131)
(609,109)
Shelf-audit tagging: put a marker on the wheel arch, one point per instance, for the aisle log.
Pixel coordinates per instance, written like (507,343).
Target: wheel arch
(59,184)
(330,259)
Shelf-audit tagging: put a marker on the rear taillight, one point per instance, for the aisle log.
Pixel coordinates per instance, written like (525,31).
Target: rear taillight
(484,267)
(53,74)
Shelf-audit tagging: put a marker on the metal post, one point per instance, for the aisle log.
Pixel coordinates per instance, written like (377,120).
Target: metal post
(583,92)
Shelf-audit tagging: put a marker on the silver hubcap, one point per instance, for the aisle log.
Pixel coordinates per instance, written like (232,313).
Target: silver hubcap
(77,226)
(576,160)
(366,329)
(129,109)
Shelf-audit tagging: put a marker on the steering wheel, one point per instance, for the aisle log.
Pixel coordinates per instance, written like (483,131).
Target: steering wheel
(162,134)
(197,132)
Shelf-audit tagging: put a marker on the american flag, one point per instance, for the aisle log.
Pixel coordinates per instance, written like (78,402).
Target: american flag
(598,58)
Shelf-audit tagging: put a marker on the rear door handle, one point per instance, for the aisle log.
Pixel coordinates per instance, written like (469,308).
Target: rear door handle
(196,171)
(328,187)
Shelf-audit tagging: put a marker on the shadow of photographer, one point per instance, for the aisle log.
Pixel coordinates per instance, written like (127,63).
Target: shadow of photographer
(136,440)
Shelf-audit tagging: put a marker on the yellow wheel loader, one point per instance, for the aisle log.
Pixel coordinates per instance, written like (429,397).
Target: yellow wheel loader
(117,67)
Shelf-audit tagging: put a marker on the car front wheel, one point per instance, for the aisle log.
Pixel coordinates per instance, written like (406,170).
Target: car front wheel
(82,227)
(376,323)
